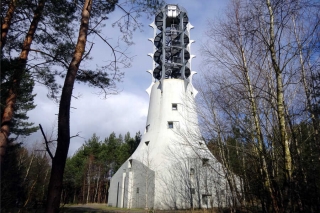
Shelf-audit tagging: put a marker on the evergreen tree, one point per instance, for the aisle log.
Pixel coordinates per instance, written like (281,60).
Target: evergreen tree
(47,17)
(89,170)
(25,101)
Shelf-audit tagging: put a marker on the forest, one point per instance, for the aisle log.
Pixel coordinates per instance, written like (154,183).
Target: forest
(86,175)
(258,102)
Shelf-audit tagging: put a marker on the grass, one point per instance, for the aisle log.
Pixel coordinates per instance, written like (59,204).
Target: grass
(97,208)
(103,208)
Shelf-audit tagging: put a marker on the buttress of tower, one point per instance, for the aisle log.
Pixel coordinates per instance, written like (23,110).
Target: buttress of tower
(171,42)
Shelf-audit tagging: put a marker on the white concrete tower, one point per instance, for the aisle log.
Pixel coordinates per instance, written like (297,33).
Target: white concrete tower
(172,166)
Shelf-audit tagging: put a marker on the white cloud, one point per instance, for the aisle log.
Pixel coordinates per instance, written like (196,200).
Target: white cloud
(121,113)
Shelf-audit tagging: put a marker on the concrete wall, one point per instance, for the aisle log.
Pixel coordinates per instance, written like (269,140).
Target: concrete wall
(161,166)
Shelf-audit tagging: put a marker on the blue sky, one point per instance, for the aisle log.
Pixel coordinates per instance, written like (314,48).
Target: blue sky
(128,110)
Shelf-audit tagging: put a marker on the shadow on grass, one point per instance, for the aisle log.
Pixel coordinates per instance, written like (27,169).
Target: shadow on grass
(103,208)
(83,210)
(95,208)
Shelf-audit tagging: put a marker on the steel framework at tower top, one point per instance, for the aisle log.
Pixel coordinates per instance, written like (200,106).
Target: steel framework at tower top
(172,54)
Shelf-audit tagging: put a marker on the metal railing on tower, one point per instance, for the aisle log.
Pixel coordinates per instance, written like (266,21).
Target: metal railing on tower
(171,41)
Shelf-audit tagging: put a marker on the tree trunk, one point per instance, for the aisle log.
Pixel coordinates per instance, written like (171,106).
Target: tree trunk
(83,190)
(280,97)
(28,169)
(44,184)
(29,194)
(18,73)
(306,87)
(258,133)
(63,142)
(95,199)
(88,182)
(280,107)
(7,22)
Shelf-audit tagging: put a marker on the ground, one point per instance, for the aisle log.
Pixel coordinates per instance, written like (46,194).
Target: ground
(103,208)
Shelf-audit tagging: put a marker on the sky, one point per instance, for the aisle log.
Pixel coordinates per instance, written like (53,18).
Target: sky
(128,110)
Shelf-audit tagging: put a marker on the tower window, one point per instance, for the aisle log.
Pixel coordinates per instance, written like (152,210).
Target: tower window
(205,162)
(147,128)
(206,199)
(192,171)
(170,125)
(174,106)
(147,143)
(130,163)
(193,191)
(172,11)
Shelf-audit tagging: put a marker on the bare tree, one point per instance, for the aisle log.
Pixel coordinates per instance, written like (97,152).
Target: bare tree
(250,101)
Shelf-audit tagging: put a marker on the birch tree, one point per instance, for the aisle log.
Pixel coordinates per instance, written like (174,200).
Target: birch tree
(252,96)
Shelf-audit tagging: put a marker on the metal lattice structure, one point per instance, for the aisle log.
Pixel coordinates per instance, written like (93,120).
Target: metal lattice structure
(172,41)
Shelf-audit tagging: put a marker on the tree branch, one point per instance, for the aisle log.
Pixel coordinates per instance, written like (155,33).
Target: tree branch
(87,52)
(51,56)
(128,14)
(46,142)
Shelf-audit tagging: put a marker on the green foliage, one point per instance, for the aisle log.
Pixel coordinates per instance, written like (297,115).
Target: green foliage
(91,167)
(25,99)
(51,38)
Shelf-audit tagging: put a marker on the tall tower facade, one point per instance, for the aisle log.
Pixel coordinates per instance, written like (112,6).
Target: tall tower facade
(172,166)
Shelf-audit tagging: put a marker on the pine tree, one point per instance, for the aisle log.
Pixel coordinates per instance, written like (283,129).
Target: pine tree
(25,101)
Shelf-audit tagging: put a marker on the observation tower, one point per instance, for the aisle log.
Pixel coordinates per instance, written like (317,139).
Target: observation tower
(172,167)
